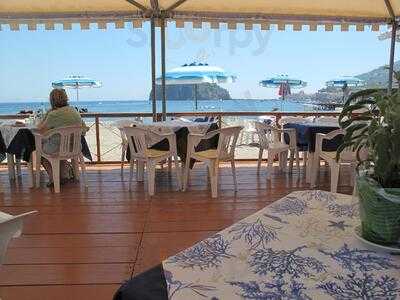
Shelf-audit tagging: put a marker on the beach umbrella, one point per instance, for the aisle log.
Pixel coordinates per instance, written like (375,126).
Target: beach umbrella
(345,81)
(284,83)
(195,74)
(76,82)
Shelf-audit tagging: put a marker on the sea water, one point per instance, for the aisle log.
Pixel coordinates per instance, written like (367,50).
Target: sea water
(172,106)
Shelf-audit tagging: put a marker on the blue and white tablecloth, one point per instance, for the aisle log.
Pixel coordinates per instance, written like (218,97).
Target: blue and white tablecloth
(300,247)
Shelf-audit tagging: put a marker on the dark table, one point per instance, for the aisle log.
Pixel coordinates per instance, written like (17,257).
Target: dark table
(149,285)
(306,136)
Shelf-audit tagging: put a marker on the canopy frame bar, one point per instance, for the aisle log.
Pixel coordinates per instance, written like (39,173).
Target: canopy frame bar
(153,68)
(138,5)
(163,70)
(390,9)
(175,5)
(392,52)
(271,18)
(154,5)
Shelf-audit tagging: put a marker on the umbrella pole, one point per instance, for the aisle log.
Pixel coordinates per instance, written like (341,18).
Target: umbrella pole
(164,98)
(195,96)
(153,69)
(77,95)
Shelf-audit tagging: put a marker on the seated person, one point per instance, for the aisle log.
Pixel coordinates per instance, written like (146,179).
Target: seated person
(60,115)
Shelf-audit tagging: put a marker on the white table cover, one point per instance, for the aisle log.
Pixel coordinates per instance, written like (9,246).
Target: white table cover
(300,247)
(175,125)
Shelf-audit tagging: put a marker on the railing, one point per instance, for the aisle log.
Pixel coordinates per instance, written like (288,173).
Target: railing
(104,139)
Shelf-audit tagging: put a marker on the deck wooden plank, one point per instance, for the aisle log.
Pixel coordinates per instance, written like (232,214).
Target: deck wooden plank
(84,243)
(59,292)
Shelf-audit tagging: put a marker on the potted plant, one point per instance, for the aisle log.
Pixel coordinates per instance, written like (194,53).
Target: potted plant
(371,119)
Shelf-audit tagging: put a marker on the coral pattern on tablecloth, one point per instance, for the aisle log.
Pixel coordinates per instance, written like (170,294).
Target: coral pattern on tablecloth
(300,247)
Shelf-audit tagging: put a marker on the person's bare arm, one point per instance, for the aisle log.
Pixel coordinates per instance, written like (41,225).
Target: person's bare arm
(42,126)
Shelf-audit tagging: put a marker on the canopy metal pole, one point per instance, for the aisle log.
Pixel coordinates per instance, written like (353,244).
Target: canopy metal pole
(195,96)
(153,68)
(164,98)
(392,50)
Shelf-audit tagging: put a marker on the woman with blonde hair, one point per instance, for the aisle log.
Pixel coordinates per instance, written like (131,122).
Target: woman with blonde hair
(60,115)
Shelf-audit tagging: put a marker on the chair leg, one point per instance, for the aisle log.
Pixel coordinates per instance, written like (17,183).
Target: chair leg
(169,163)
(186,175)
(270,158)
(284,156)
(55,167)
(140,173)
(260,155)
(297,154)
(234,174)
(291,160)
(213,168)
(75,165)
(178,172)
(305,158)
(11,166)
(83,167)
(151,172)
(334,177)
(131,166)
(31,172)
(37,169)
(123,154)
(18,167)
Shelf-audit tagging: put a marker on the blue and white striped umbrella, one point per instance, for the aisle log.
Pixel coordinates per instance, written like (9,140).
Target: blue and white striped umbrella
(76,82)
(277,81)
(196,73)
(345,80)
(284,83)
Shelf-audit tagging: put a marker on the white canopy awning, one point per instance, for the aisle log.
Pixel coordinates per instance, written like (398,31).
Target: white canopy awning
(249,12)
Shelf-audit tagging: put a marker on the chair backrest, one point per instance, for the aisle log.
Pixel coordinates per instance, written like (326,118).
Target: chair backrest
(70,141)
(227,140)
(137,141)
(10,226)
(290,119)
(126,123)
(267,134)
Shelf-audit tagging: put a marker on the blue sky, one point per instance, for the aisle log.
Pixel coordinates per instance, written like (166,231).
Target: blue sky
(120,58)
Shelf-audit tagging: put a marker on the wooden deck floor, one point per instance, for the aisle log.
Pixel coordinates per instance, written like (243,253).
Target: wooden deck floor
(83,244)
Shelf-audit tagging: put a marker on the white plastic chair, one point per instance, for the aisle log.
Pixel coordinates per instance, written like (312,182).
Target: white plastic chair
(10,226)
(270,140)
(294,151)
(124,141)
(140,152)
(346,157)
(225,151)
(70,148)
